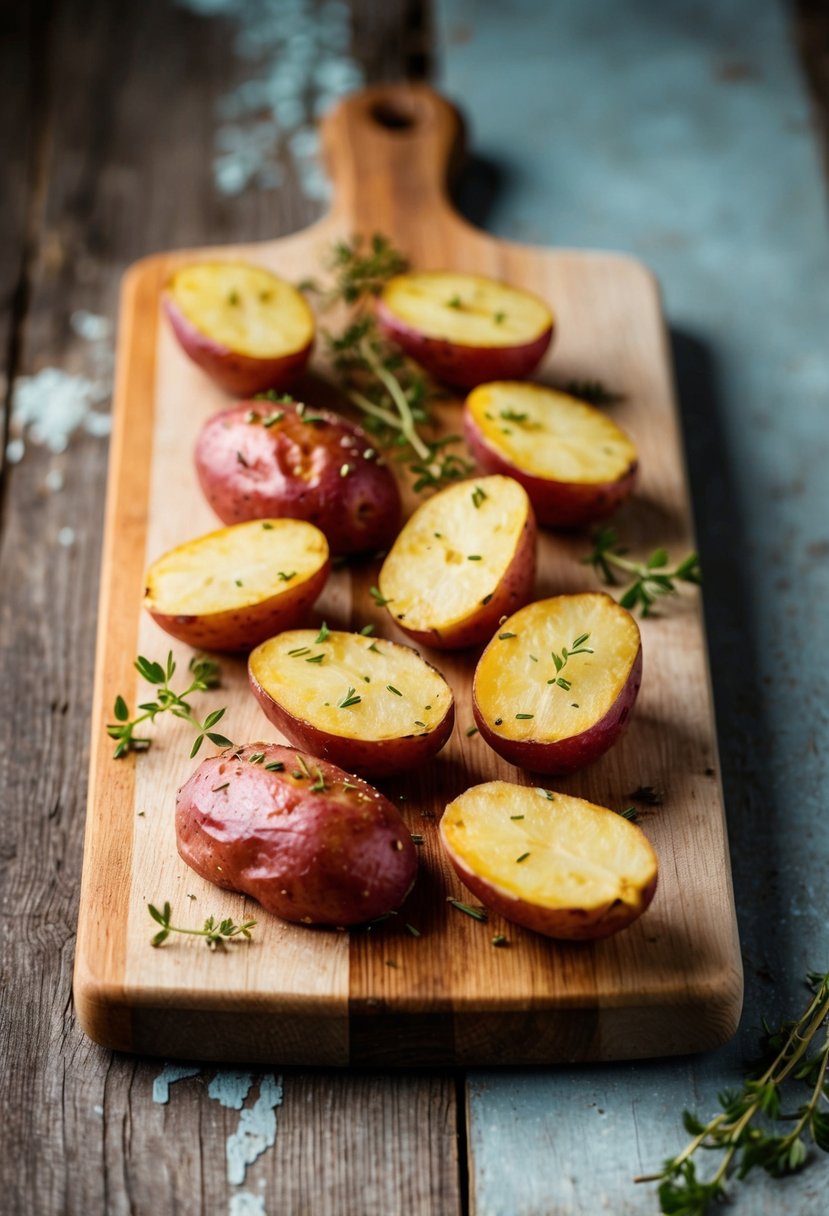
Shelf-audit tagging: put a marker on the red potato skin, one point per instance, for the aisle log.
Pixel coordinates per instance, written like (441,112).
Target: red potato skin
(358,513)
(557,504)
(569,924)
(244,628)
(341,857)
(566,755)
(460,365)
(240,375)
(513,592)
(375,758)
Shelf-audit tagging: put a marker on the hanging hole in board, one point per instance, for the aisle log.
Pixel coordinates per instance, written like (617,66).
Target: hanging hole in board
(394,115)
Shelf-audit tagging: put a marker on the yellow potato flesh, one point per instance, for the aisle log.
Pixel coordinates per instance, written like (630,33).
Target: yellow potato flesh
(467,309)
(575,854)
(452,554)
(550,434)
(311,689)
(235,567)
(514,673)
(244,308)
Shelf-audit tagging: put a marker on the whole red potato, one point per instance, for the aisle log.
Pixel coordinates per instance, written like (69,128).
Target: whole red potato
(266,459)
(310,842)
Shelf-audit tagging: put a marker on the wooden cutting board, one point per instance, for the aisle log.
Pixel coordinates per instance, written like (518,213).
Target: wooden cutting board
(670,984)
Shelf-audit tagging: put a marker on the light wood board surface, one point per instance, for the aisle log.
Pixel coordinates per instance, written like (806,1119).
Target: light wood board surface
(672,983)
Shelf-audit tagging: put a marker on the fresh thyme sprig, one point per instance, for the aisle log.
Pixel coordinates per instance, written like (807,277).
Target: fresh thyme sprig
(357,271)
(390,390)
(652,578)
(745,1131)
(205,675)
(214,935)
(380,382)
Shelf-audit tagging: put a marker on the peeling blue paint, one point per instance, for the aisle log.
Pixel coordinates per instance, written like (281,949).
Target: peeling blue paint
(256,1131)
(230,1088)
(245,1203)
(167,1077)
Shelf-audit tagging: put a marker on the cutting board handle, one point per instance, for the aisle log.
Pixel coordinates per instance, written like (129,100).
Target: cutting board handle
(390,151)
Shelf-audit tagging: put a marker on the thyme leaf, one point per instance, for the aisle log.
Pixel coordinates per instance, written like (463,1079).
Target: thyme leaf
(214,934)
(652,579)
(205,673)
(750,1130)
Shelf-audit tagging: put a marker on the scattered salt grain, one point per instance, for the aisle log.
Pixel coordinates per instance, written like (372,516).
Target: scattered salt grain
(66,537)
(14,451)
(305,67)
(53,481)
(90,326)
(51,405)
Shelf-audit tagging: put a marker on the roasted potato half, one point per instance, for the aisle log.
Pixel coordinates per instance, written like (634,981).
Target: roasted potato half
(246,328)
(556,685)
(311,843)
(261,459)
(230,589)
(370,705)
(555,864)
(465,329)
(575,463)
(465,558)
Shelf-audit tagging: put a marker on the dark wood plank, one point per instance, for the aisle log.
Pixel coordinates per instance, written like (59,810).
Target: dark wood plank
(124,124)
(21,69)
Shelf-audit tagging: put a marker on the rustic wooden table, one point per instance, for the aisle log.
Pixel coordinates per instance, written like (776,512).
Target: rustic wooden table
(679,132)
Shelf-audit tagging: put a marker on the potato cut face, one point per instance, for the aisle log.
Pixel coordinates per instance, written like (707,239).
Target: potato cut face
(550,434)
(244,308)
(352,686)
(467,309)
(521,691)
(235,567)
(548,849)
(453,552)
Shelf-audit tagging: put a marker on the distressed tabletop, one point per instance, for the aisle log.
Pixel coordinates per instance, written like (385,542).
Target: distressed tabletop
(680,133)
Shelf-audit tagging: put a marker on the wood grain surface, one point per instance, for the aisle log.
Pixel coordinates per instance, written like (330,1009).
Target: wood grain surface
(670,984)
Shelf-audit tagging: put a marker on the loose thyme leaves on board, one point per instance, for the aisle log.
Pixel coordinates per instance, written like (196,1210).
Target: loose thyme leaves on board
(205,674)
(214,934)
(652,579)
(468,909)
(752,1129)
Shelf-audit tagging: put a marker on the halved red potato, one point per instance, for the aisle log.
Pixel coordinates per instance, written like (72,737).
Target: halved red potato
(370,705)
(311,843)
(464,559)
(556,685)
(261,459)
(464,328)
(574,462)
(246,328)
(228,590)
(555,864)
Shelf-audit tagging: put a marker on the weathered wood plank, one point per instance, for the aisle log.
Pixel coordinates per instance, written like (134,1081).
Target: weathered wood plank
(21,69)
(128,142)
(693,149)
